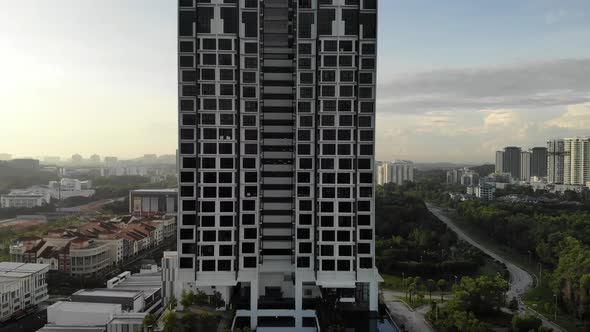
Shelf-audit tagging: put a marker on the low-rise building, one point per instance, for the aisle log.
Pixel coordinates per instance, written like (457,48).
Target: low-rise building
(485,191)
(66,188)
(96,246)
(22,286)
(149,202)
(25,198)
(130,300)
(65,313)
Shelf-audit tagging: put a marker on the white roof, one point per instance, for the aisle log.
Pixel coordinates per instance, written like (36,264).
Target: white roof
(20,270)
(104,292)
(85,307)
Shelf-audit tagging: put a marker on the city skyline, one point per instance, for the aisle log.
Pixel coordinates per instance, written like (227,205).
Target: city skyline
(457,81)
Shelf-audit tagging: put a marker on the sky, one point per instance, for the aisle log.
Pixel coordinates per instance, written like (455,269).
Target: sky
(458,79)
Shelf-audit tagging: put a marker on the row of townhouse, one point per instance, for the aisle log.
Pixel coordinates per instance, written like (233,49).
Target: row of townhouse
(94,247)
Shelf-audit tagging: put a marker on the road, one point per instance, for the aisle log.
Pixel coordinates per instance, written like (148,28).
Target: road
(413,320)
(93,207)
(520,280)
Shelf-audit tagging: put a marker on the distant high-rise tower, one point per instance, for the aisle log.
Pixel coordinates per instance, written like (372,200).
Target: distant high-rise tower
(577,161)
(525,165)
(555,160)
(499,161)
(276,153)
(511,161)
(539,160)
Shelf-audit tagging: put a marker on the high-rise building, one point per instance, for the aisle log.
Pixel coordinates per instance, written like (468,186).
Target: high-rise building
(555,160)
(277,180)
(511,161)
(499,162)
(577,161)
(111,161)
(401,171)
(539,162)
(525,165)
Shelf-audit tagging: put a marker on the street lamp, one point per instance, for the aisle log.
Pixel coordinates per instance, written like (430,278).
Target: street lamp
(529,256)
(404,280)
(455,280)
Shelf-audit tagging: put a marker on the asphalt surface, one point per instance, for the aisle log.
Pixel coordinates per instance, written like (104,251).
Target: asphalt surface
(412,320)
(520,280)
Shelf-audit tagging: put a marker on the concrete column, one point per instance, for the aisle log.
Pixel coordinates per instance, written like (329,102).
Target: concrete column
(254,304)
(298,304)
(374,296)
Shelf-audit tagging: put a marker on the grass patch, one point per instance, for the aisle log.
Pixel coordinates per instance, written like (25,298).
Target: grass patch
(491,268)
(392,282)
(541,300)
(416,301)
(497,320)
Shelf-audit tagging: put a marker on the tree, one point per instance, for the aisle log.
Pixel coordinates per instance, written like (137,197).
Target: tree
(148,322)
(430,286)
(200,298)
(187,298)
(411,291)
(525,323)
(513,305)
(172,303)
(217,300)
(441,284)
(170,321)
(189,322)
(482,295)
(207,322)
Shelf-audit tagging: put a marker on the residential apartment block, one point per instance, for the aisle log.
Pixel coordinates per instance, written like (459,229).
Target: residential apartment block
(576,161)
(276,153)
(396,172)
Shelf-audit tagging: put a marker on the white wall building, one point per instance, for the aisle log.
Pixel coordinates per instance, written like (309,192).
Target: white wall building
(577,161)
(25,198)
(525,166)
(22,286)
(66,188)
(485,191)
(396,172)
(65,313)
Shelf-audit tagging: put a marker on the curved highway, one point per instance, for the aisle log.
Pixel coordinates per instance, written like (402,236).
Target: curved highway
(520,280)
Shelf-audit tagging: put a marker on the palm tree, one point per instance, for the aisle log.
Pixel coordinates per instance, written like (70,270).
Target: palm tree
(430,286)
(441,285)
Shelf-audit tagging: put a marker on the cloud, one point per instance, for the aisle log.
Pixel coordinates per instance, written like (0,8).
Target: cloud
(576,117)
(502,118)
(524,85)
(555,16)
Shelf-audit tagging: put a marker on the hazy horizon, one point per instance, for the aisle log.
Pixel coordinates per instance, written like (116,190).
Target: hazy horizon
(457,80)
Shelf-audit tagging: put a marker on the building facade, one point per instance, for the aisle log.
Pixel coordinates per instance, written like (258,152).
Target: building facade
(25,198)
(396,172)
(277,179)
(499,162)
(577,161)
(22,286)
(511,161)
(525,166)
(539,159)
(555,160)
